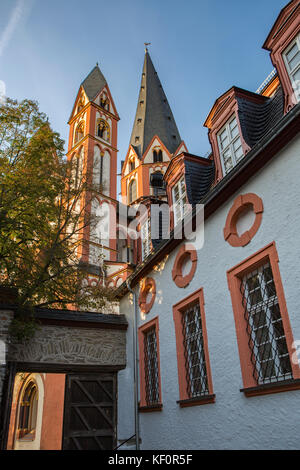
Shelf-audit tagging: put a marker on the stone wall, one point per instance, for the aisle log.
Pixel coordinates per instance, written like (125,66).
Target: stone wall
(67,345)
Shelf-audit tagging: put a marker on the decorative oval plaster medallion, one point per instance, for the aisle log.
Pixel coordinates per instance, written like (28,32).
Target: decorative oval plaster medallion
(185,254)
(148,287)
(240,205)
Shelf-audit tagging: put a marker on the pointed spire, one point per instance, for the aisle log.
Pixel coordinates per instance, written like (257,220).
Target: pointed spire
(153,114)
(94,83)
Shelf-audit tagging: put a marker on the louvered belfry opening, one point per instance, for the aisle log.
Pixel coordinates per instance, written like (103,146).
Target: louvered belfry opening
(267,342)
(195,365)
(151,367)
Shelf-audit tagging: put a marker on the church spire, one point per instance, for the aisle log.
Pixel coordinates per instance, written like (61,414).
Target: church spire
(153,114)
(94,83)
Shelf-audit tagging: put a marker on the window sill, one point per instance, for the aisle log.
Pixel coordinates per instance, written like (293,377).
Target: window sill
(282,386)
(150,408)
(204,400)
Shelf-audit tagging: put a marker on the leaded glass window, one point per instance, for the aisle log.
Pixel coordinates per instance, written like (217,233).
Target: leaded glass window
(267,342)
(151,367)
(195,365)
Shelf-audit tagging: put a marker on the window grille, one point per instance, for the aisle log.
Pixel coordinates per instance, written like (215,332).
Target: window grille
(196,372)
(151,367)
(267,342)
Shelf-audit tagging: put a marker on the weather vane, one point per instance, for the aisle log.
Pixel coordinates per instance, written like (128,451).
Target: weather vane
(147,44)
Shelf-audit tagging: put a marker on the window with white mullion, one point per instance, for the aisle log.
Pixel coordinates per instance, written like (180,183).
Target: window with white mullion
(146,239)
(265,328)
(292,62)
(179,200)
(230,145)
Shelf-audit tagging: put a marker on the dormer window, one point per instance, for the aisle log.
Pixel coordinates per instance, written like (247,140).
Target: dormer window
(146,239)
(292,61)
(179,200)
(230,145)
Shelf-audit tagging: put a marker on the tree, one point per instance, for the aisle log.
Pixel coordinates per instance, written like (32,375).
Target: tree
(42,215)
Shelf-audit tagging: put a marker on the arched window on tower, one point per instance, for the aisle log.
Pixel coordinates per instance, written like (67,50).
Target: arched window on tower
(79,133)
(80,104)
(157,155)
(131,165)
(76,165)
(103,130)
(132,191)
(104,102)
(28,410)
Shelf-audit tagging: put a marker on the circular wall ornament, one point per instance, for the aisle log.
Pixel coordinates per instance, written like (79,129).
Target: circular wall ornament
(147,294)
(187,254)
(241,204)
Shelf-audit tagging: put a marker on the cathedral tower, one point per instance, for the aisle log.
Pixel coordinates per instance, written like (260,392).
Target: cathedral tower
(93,148)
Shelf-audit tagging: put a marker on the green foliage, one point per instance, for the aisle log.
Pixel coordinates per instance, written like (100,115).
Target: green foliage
(42,215)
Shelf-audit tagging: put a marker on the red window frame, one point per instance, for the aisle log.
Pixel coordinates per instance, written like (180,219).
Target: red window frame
(234,276)
(142,331)
(178,310)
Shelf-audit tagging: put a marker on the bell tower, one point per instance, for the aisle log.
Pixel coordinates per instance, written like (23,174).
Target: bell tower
(93,148)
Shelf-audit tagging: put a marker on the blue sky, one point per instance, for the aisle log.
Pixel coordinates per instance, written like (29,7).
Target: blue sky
(200,48)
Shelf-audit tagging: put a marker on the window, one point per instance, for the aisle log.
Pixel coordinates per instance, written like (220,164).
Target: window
(103,130)
(80,104)
(76,168)
(146,239)
(262,324)
(157,183)
(28,410)
(292,62)
(104,102)
(150,386)
(79,133)
(157,156)
(230,145)
(195,384)
(179,200)
(132,191)
(131,165)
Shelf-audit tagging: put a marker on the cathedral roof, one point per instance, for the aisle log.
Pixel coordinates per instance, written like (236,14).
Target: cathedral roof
(94,83)
(153,114)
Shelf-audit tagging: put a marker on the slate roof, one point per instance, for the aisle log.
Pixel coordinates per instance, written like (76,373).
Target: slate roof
(198,179)
(153,114)
(257,119)
(93,83)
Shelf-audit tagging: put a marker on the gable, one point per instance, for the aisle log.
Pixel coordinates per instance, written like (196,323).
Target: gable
(155,143)
(282,22)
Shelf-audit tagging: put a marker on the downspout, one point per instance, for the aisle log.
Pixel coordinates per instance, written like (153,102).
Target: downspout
(135,369)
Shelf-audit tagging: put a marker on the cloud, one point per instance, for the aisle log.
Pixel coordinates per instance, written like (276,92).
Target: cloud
(16,16)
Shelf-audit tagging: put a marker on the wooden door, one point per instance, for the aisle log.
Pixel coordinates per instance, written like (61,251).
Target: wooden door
(90,414)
